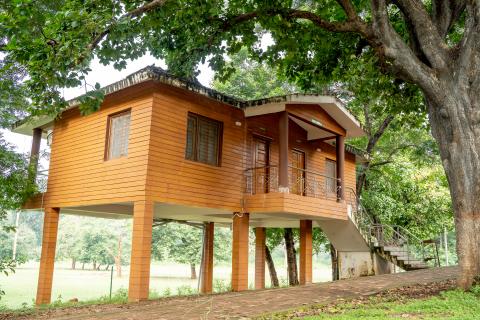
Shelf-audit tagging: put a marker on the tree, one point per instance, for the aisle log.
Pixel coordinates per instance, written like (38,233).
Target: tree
(433,45)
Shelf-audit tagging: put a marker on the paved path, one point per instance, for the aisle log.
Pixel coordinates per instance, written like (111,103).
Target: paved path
(250,303)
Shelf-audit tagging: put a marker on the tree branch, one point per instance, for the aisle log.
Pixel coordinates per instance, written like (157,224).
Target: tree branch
(150,6)
(445,13)
(406,64)
(429,40)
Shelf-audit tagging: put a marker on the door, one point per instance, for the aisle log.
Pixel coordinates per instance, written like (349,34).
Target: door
(331,180)
(298,173)
(261,161)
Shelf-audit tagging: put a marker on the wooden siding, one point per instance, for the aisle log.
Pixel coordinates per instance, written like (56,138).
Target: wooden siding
(79,173)
(278,202)
(172,178)
(156,169)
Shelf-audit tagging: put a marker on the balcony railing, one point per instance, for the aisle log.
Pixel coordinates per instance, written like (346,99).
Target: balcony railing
(302,182)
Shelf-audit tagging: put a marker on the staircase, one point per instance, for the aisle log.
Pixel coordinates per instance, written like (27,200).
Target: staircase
(393,243)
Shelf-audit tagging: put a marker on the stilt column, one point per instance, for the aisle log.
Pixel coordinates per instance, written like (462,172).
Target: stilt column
(206,280)
(305,251)
(47,259)
(141,251)
(260,237)
(240,252)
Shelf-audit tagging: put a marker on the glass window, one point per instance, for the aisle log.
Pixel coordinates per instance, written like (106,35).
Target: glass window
(118,131)
(203,139)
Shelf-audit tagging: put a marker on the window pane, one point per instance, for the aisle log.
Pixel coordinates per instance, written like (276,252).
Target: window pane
(119,132)
(191,129)
(203,139)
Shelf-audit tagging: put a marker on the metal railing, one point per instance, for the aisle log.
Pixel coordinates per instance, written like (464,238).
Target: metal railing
(312,184)
(300,181)
(261,180)
(358,214)
(42,179)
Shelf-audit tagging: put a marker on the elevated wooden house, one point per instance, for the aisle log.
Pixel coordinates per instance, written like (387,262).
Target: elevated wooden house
(164,148)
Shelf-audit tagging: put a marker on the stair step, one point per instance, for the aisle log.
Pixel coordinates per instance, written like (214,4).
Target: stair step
(393,249)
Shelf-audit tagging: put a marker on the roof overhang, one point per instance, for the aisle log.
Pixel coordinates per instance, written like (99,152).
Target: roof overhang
(26,126)
(331,105)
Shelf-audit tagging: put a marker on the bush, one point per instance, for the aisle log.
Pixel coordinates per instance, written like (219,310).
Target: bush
(221,286)
(186,290)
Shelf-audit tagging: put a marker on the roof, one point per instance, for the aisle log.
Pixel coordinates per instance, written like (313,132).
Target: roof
(331,104)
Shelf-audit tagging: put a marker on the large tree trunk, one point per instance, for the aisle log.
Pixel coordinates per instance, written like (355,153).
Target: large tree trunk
(193,272)
(74,261)
(271,268)
(456,127)
(291,257)
(334,259)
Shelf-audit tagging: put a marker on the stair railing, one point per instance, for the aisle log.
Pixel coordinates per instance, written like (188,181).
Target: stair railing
(383,234)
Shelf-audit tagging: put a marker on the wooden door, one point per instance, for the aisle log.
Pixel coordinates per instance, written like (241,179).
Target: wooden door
(261,161)
(298,172)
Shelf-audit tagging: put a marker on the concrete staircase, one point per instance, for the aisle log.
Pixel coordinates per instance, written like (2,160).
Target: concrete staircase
(384,243)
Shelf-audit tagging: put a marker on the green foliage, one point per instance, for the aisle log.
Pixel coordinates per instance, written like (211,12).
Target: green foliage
(183,244)
(252,80)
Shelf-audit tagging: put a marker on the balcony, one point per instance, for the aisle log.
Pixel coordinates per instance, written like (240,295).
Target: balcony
(308,193)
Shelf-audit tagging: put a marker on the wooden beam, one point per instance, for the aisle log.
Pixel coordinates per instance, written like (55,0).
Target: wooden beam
(47,258)
(206,280)
(260,238)
(139,282)
(283,151)
(305,251)
(340,154)
(240,252)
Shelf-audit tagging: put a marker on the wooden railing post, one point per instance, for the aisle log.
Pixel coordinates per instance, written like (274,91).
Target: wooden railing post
(283,185)
(340,155)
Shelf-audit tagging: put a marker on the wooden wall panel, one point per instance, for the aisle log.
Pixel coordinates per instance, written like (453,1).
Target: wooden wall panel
(172,178)
(79,174)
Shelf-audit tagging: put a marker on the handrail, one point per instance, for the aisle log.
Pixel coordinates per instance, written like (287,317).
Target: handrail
(315,173)
(262,167)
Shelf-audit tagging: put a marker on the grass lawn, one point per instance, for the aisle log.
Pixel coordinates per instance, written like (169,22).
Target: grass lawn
(448,305)
(165,279)
(416,302)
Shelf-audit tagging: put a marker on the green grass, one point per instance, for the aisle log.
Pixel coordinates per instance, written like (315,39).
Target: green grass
(453,304)
(88,286)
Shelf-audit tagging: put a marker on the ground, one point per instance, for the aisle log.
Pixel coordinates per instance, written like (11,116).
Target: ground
(166,279)
(252,304)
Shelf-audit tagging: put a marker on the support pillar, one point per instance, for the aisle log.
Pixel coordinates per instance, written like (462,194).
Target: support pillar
(34,152)
(260,238)
(240,252)
(47,259)
(340,154)
(139,281)
(206,280)
(305,251)
(283,185)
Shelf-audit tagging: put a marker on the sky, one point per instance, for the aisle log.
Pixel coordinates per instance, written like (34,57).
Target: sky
(104,75)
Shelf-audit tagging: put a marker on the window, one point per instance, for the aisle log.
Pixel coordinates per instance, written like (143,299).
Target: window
(331,173)
(203,139)
(118,129)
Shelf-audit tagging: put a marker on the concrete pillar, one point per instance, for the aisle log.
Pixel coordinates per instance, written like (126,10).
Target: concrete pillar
(305,251)
(206,280)
(260,237)
(240,252)
(340,154)
(34,152)
(141,251)
(47,259)
(283,185)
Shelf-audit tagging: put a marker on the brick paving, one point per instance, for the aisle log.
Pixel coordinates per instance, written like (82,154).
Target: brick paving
(248,304)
